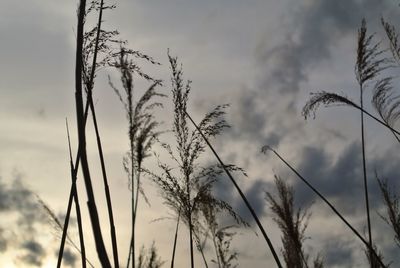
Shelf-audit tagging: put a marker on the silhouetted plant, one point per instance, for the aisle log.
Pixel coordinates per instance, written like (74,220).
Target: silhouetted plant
(205,135)
(55,222)
(392,204)
(369,65)
(375,260)
(142,131)
(226,257)
(189,189)
(356,233)
(293,223)
(101,250)
(76,199)
(385,100)
(88,47)
(149,258)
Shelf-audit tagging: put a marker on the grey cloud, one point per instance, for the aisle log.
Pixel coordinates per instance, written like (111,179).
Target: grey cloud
(69,258)
(337,253)
(29,219)
(341,179)
(315,28)
(34,253)
(3,241)
(255,194)
(256,197)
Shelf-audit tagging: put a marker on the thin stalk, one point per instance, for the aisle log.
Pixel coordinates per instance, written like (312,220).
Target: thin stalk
(253,213)
(175,239)
(136,206)
(190,223)
(216,250)
(133,203)
(365,173)
(99,146)
(77,206)
(71,196)
(101,250)
(134,215)
(200,247)
(137,193)
(330,205)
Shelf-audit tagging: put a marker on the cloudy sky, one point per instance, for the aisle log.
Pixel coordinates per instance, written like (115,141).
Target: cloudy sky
(262,57)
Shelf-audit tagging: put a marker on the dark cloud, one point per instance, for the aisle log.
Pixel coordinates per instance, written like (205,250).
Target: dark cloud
(256,197)
(34,253)
(337,253)
(26,221)
(3,241)
(69,258)
(341,179)
(314,30)
(226,191)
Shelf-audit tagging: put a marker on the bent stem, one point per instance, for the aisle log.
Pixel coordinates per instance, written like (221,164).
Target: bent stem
(271,247)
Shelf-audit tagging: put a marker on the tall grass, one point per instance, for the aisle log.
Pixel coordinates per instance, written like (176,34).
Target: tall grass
(101,250)
(326,201)
(142,129)
(392,203)
(188,189)
(369,65)
(293,223)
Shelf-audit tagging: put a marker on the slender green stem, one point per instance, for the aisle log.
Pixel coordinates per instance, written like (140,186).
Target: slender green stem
(253,213)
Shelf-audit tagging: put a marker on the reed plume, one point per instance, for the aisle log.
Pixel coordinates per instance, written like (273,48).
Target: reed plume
(369,65)
(142,130)
(267,148)
(392,204)
(293,223)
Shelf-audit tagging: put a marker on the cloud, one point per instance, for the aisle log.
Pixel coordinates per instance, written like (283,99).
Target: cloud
(341,179)
(34,253)
(3,241)
(337,253)
(26,220)
(268,112)
(69,258)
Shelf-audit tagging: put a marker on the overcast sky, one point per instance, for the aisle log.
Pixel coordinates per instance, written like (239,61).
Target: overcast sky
(263,57)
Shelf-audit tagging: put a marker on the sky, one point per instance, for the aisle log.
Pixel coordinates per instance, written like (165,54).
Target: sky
(262,57)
